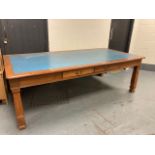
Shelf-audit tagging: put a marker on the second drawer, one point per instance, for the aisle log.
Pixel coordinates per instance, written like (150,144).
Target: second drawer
(78,72)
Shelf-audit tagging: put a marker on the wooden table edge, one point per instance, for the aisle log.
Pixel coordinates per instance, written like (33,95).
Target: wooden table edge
(11,75)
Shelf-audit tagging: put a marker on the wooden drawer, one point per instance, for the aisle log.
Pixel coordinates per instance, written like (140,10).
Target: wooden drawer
(110,68)
(113,67)
(79,72)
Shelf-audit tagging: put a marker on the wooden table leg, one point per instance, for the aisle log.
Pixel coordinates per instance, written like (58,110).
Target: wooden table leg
(134,78)
(19,108)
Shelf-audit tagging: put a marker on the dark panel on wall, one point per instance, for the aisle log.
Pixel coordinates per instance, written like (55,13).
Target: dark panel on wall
(25,35)
(120,34)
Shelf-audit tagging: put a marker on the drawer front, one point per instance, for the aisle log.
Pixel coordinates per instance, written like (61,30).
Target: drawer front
(109,68)
(79,72)
(113,67)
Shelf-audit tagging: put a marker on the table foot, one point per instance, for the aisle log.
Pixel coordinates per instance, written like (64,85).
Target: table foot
(21,127)
(21,122)
(132,90)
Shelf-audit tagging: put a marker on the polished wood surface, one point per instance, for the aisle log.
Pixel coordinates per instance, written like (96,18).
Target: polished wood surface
(28,79)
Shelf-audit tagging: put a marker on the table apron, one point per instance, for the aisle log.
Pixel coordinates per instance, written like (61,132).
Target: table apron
(35,80)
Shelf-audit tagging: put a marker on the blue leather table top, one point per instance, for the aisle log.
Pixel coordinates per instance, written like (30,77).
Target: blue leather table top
(53,60)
